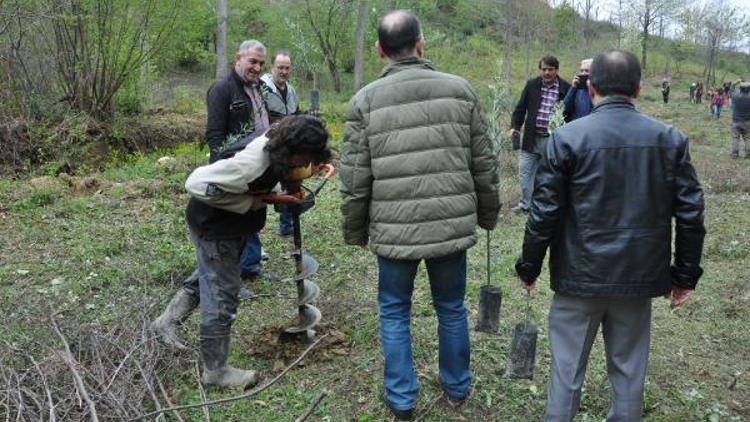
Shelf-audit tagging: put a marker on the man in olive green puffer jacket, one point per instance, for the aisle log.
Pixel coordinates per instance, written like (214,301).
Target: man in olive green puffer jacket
(418,174)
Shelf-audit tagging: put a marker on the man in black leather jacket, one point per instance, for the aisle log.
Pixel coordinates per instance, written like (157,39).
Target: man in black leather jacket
(235,109)
(605,197)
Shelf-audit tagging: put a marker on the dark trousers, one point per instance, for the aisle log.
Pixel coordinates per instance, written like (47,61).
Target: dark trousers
(217,282)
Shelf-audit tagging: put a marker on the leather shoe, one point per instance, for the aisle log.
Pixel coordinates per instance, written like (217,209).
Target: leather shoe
(401,415)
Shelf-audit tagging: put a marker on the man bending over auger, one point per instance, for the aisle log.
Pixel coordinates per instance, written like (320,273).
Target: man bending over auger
(226,206)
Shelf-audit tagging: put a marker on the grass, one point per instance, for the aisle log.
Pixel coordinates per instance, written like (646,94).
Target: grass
(86,253)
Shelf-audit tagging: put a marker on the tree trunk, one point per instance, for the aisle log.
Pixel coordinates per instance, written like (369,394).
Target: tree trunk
(619,33)
(359,52)
(221,39)
(644,39)
(336,79)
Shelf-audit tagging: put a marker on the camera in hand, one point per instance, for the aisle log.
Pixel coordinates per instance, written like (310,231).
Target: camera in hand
(582,79)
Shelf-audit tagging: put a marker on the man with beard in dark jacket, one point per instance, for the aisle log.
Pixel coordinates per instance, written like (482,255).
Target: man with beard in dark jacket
(605,197)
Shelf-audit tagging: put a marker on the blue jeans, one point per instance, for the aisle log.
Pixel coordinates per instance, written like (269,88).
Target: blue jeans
(448,285)
(717,110)
(286,223)
(250,258)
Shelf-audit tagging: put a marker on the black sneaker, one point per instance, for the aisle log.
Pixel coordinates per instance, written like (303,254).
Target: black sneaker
(401,415)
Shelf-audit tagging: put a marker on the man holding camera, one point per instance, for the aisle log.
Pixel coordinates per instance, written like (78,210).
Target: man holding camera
(538,98)
(577,101)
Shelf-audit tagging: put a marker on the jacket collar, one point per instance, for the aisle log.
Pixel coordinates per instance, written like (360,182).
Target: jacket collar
(407,63)
(614,101)
(267,81)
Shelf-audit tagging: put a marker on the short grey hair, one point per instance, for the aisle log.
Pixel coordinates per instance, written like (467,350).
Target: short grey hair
(251,45)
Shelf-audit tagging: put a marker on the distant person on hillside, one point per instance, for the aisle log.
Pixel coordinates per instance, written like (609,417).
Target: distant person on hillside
(717,100)
(741,120)
(699,92)
(692,92)
(418,174)
(577,101)
(226,206)
(610,254)
(532,112)
(665,88)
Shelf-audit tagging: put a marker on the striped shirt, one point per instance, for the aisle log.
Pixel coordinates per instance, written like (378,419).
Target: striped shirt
(550,95)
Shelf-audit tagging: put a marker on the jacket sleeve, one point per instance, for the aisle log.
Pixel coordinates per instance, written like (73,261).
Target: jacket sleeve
(569,102)
(566,89)
(688,209)
(546,208)
(519,113)
(356,176)
(224,184)
(484,170)
(217,107)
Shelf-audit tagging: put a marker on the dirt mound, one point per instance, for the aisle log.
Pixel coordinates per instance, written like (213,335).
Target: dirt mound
(282,349)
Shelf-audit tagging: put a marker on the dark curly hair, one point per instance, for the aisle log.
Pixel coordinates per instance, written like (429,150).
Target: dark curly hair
(297,134)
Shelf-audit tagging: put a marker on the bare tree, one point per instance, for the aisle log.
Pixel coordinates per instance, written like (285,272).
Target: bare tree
(221,39)
(98,45)
(359,51)
(589,11)
(329,21)
(389,5)
(648,12)
(722,24)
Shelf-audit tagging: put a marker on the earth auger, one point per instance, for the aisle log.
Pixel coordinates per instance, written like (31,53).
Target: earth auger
(297,203)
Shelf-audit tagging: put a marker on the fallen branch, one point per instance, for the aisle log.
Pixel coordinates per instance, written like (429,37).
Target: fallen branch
(69,360)
(166,398)
(51,403)
(206,414)
(249,394)
(311,408)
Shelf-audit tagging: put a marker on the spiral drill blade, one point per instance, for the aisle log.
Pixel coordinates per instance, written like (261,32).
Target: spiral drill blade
(309,316)
(309,294)
(309,266)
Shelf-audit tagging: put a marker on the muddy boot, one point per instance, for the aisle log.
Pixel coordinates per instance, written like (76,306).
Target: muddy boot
(179,308)
(214,352)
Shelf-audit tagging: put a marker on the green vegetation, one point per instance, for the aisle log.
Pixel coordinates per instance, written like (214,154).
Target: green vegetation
(109,236)
(90,254)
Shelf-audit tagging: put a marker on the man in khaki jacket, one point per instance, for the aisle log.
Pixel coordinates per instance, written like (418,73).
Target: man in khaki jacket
(418,174)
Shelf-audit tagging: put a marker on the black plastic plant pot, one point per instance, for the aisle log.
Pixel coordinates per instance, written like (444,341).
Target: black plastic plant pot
(490,299)
(522,355)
